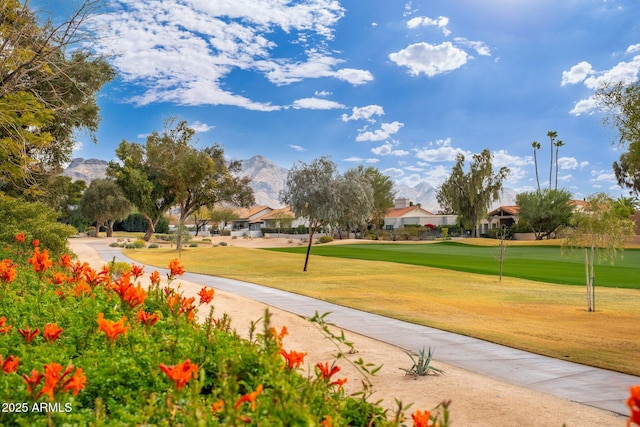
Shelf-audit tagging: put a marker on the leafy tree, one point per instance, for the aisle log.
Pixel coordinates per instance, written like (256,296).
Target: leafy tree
(222,215)
(354,201)
(625,206)
(470,194)
(309,190)
(282,218)
(37,220)
(601,233)
(195,178)
(201,218)
(64,196)
(383,194)
(104,202)
(141,182)
(622,103)
(46,93)
(544,211)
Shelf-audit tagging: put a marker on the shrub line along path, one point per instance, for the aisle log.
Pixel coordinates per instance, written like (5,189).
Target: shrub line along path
(587,385)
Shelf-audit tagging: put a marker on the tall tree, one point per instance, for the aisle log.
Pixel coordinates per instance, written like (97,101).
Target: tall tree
(536,147)
(545,211)
(601,234)
(193,177)
(309,190)
(470,194)
(552,139)
(104,203)
(622,105)
(558,144)
(140,182)
(383,194)
(50,91)
(222,215)
(354,201)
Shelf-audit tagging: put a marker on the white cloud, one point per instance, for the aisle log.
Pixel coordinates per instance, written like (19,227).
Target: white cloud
(393,172)
(567,163)
(201,127)
(565,178)
(322,93)
(623,72)
(481,48)
(503,158)
(360,160)
(603,175)
(154,44)
(316,104)
(385,131)
(387,150)
(633,48)
(424,21)
(443,152)
(576,74)
(353,76)
(584,164)
(297,147)
(430,59)
(364,113)
(414,169)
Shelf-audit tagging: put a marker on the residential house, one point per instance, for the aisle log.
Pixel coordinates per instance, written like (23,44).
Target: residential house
(249,221)
(404,213)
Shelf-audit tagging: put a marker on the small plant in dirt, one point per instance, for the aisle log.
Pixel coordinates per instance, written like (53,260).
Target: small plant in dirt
(422,364)
(325,239)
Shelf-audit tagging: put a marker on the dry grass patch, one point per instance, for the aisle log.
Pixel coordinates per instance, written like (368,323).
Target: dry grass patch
(539,317)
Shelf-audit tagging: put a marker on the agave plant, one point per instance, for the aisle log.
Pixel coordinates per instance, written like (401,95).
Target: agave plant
(422,364)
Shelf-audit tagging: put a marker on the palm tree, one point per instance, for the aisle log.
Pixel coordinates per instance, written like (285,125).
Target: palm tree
(558,144)
(552,136)
(536,147)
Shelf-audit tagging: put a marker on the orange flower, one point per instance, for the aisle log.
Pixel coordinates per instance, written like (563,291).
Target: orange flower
(76,382)
(134,296)
(33,380)
(95,278)
(51,332)
(81,288)
(206,295)
(634,404)
(112,329)
(10,365)
(65,261)
(325,372)
(421,419)
(7,271)
(35,243)
(40,260)
(293,358)
(137,271)
(326,421)
(217,407)
(19,237)
(175,268)
(249,397)
(4,329)
(28,334)
(180,374)
(339,382)
(147,318)
(155,278)
(59,278)
(51,378)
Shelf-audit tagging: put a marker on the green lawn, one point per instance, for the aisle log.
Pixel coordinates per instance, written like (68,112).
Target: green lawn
(540,263)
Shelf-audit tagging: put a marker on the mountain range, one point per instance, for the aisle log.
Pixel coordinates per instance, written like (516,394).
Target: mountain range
(268,180)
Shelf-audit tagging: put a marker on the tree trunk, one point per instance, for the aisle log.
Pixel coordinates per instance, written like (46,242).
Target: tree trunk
(586,273)
(306,259)
(151,228)
(108,226)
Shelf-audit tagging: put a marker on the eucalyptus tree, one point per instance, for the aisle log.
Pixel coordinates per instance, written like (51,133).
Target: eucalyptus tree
(354,201)
(601,233)
(621,103)
(104,203)
(310,192)
(470,194)
(48,87)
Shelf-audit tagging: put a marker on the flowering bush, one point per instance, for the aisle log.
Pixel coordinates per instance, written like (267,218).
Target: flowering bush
(86,347)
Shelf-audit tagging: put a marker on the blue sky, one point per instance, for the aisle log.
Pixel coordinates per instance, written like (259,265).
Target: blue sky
(402,86)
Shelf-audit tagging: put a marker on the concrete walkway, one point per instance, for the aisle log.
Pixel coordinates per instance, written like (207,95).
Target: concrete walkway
(595,387)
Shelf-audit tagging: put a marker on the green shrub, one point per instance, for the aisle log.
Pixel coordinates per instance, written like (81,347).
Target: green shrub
(115,245)
(153,246)
(325,239)
(193,245)
(36,220)
(117,268)
(222,244)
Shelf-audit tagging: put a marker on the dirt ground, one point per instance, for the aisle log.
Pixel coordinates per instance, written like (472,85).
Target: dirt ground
(476,400)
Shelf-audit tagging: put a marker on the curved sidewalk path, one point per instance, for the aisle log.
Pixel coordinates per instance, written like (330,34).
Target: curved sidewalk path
(595,387)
